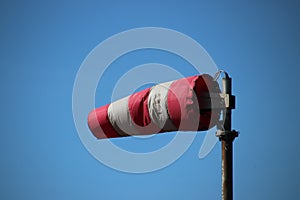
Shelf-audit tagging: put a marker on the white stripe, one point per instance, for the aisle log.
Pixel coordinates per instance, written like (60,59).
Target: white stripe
(158,108)
(119,117)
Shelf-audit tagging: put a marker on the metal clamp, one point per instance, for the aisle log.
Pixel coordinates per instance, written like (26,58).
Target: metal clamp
(229,100)
(221,134)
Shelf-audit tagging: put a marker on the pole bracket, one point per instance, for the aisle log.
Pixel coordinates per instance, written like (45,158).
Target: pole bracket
(225,135)
(229,100)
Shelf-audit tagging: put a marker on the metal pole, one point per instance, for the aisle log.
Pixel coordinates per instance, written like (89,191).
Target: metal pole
(226,136)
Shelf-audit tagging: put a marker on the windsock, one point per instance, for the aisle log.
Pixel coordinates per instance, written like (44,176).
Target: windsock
(187,104)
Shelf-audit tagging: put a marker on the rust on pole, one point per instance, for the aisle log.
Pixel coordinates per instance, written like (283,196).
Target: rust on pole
(226,136)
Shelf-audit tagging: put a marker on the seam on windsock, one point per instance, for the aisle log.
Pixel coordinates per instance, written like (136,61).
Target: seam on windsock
(139,113)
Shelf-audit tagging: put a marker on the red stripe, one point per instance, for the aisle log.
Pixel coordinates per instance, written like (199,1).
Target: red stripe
(180,100)
(182,103)
(139,113)
(100,125)
(138,107)
(208,117)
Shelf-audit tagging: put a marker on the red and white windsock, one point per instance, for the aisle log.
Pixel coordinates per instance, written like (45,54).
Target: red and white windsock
(187,104)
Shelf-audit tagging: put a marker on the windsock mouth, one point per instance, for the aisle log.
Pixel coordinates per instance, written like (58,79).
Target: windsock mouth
(93,123)
(100,125)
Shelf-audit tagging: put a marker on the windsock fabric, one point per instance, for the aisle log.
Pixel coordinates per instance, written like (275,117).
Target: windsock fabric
(186,104)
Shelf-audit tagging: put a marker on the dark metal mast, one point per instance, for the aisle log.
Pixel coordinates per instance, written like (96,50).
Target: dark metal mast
(227,136)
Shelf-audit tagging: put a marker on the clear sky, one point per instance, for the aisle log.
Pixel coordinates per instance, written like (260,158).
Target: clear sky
(43,44)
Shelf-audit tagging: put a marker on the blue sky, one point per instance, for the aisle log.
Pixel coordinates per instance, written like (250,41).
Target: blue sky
(43,44)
